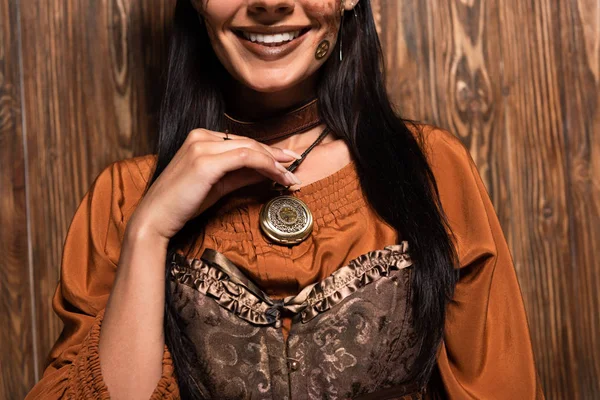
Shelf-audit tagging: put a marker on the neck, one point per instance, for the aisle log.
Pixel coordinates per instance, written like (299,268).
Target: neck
(248,104)
(283,119)
(287,123)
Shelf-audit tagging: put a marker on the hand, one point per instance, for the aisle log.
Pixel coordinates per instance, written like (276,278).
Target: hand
(203,170)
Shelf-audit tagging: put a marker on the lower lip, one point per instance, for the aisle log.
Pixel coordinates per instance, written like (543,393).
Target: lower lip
(272,52)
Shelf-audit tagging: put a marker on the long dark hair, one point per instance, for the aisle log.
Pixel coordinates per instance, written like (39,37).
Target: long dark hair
(388,151)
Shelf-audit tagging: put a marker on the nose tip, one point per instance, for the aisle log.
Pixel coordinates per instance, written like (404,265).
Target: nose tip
(271,7)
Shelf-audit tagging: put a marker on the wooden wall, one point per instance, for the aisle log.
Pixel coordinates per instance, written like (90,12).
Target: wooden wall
(517,80)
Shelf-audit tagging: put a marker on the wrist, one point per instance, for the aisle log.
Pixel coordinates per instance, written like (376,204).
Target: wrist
(142,232)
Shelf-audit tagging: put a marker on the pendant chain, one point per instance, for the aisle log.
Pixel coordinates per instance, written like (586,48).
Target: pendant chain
(295,164)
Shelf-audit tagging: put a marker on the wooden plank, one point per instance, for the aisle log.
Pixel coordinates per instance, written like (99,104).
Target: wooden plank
(537,167)
(90,73)
(405,44)
(578,44)
(17,355)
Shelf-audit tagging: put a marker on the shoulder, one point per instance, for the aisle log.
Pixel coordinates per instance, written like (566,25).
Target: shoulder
(462,192)
(100,220)
(129,176)
(120,186)
(448,158)
(440,145)
(110,201)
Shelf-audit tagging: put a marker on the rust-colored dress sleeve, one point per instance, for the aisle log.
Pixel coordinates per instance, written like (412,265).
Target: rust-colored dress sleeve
(89,262)
(486,351)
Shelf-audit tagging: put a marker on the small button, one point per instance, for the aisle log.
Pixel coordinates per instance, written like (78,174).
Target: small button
(294,365)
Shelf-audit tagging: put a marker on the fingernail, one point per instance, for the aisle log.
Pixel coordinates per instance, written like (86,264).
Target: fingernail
(292,153)
(280,167)
(294,178)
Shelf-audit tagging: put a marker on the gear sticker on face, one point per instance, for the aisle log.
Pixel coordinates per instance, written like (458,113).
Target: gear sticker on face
(322,49)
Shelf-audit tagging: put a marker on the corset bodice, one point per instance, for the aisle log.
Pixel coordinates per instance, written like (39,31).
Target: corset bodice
(351,338)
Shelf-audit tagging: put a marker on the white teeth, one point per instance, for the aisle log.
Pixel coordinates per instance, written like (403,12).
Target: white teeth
(277,38)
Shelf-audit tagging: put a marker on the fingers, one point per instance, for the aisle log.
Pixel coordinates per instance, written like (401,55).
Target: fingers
(217,165)
(202,148)
(218,145)
(275,151)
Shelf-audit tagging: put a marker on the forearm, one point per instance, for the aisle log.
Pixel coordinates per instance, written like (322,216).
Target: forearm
(132,338)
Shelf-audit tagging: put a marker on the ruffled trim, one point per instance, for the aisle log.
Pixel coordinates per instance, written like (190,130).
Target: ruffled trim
(213,282)
(233,291)
(167,387)
(85,376)
(360,272)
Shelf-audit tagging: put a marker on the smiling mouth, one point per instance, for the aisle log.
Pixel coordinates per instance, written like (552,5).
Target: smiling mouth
(271,40)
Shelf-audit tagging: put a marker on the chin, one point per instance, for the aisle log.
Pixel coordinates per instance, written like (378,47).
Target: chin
(272,81)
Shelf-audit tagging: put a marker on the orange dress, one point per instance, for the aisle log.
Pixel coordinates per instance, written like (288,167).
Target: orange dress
(486,350)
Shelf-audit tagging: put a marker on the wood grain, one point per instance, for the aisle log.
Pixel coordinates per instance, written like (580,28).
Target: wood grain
(537,165)
(579,72)
(89,80)
(17,357)
(518,81)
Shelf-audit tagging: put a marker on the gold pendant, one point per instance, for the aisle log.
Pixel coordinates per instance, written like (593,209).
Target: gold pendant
(286,220)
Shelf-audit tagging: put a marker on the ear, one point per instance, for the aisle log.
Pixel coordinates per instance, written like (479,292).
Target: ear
(350,4)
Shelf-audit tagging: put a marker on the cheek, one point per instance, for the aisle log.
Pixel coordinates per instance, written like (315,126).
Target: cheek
(326,12)
(322,7)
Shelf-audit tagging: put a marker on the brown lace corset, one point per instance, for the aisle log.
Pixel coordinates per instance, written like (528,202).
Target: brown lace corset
(351,337)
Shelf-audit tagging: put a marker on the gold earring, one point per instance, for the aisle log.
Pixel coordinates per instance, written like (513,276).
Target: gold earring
(342,31)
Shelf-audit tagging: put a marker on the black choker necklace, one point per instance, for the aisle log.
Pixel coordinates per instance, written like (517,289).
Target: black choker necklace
(288,123)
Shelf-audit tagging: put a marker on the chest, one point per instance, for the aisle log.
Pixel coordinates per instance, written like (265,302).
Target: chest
(344,227)
(351,335)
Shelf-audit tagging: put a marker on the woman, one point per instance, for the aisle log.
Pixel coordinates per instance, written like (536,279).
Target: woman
(333,281)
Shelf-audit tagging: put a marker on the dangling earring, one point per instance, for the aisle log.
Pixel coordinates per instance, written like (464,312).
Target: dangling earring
(342,31)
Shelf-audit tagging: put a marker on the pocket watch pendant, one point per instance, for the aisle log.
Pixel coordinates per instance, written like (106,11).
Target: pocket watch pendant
(286,220)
